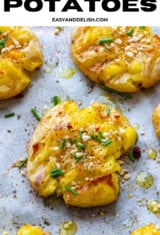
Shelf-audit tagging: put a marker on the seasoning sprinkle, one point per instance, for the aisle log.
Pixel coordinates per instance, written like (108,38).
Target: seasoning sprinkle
(22,163)
(101,135)
(81,146)
(106,142)
(130,156)
(56,100)
(95,137)
(130,31)
(8,115)
(108,111)
(36,114)
(71,190)
(3,43)
(81,134)
(62,143)
(105,40)
(74,141)
(56,173)
(142,27)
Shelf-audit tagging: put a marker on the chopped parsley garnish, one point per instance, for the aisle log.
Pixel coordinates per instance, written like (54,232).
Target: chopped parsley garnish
(81,146)
(71,190)
(101,135)
(108,111)
(3,43)
(105,40)
(81,134)
(142,27)
(131,158)
(56,173)
(8,115)
(95,137)
(74,141)
(130,32)
(63,141)
(56,100)
(21,163)
(106,142)
(36,114)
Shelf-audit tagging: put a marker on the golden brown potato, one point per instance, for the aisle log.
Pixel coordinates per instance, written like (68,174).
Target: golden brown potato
(74,153)
(121,58)
(28,229)
(20,51)
(149,229)
(156,120)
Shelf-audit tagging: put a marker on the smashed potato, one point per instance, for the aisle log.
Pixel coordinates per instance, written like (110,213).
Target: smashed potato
(74,153)
(156,120)
(149,229)
(122,58)
(20,51)
(28,229)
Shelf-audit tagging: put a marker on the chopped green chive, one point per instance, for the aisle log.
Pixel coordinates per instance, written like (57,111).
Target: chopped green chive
(130,31)
(22,163)
(105,40)
(78,159)
(56,100)
(108,111)
(106,142)
(74,141)
(131,158)
(71,190)
(63,141)
(8,115)
(81,134)
(142,27)
(101,135)
(95,137)
(3,43)
(36,114)
(56,173)
(81,146)
(73,155)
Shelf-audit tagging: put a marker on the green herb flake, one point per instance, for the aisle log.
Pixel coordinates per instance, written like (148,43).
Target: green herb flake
(101,135)
(71,190)
(81,134)
(73,155)
(56,100)
(81,146)
(142,27)
(105,40)
(95,137)
(36,114)
(108,111)
(21,163)
(55,173)
(130,32)
(74,141)
(3,43)
(78,159)
(131,158)
(63,141)
(8,115)
(106,142)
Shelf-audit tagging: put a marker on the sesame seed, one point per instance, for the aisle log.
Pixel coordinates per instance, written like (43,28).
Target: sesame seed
(129,54)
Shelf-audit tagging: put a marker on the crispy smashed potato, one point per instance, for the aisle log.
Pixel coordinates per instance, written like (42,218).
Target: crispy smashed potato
(28,229)
(74,153)
(122,58)
(149,229)
(20,51)
(156,120)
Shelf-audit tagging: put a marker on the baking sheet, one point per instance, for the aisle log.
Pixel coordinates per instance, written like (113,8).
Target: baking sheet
(19,204)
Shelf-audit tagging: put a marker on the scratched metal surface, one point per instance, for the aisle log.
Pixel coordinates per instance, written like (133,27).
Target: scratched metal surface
(19,204)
